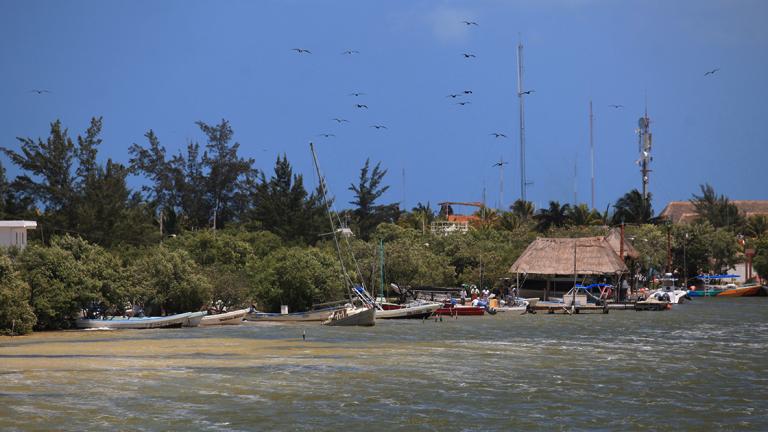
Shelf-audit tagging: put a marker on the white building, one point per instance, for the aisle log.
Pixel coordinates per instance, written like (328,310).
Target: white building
(14,233)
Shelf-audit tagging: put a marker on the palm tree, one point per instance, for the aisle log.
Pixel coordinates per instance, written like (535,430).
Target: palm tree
(522,209)
(757,226)
(554,216)
(633,208)
(717,210)
(581,215)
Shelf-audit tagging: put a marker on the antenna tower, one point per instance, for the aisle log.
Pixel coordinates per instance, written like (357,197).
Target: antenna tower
(644,147)
(520,96)
(592,152)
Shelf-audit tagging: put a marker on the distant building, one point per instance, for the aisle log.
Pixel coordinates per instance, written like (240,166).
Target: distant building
(14,233)
(684,212)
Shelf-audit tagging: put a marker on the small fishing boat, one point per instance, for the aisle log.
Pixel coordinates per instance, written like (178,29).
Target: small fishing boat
(318,315)
(460,310)
(227,318)
(172,321)
(194,319)
(407,311)
(709,289)
(743,291)
(352,316)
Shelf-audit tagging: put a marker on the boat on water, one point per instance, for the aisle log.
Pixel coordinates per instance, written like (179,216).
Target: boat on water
(710,289)
(460,310)
(187,319)
(227,318)
(743,291)
(669,292)
(318,315)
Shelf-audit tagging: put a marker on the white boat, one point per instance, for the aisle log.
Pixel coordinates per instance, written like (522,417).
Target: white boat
(178,320)
(354,316)
(408,311)
(319,315)
(194,319)
(227,318)
(669,292)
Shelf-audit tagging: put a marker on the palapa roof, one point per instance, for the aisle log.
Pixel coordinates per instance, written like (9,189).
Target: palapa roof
(614,239)
(685,211)
(554,256)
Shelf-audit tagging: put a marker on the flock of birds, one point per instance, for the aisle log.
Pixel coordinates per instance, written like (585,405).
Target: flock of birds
(377,126)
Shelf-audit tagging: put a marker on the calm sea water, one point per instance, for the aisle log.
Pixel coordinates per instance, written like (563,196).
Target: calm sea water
(700,366)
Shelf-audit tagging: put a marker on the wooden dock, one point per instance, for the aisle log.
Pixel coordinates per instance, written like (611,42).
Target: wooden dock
(592,308)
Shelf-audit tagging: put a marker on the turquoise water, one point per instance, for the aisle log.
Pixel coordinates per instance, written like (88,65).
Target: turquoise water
(700,366)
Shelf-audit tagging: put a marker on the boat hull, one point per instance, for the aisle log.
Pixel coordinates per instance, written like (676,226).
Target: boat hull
(227,318)
(750,291)
(365,317)
(310,316)
(461,311)
(173,321)
(408,312)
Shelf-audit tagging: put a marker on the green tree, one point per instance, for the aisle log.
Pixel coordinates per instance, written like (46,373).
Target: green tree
(16,316)
(581,215)
(171,281)
(717,210)
(633,208)
(297,277)
(757,226)
(522,209)
(284,207)
(367,214)
(553,216)
(760,261)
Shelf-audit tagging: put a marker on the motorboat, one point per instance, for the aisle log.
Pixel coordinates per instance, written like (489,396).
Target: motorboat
(318,315)
(227,318)
(414,310)
(669,292)
(352,316)
(187,319)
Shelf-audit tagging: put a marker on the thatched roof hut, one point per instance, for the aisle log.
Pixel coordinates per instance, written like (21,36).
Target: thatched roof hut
(554,256)
(614,239)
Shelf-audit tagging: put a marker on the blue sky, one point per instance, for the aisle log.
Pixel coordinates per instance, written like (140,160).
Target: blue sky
(164,65)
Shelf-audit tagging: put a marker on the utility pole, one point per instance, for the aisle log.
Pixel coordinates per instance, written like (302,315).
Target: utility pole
(501,164)
(575,181)
(592,152)
(520,96)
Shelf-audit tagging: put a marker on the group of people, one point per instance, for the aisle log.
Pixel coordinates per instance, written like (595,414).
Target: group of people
(474,293)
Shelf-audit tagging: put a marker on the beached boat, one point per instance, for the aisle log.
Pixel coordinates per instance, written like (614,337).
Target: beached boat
(353,316)
(227,318)
(318,315)
(178,320)
(407,311)
(194,319)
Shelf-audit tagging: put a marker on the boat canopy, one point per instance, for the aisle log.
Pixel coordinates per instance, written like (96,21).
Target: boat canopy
(721,276)
(594,285)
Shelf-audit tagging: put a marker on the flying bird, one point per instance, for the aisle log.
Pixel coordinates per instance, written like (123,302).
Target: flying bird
(468,55)
(356,94)
(340,120)
(712,72)
(470,23)
(528,92)
(498,164)
(378,126)
(467,92)
(361,106)
(454,96)
(616,106)
(326,135)
(301,50)
(463,103)
(349,52)
(40,91)
(498,135)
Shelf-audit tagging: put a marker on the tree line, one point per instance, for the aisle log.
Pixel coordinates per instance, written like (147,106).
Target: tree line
(208,230)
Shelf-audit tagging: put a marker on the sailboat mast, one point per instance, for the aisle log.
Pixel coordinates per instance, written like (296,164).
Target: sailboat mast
(381,266)
(345,277)
(520,96)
